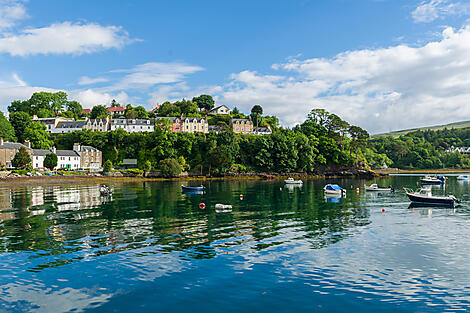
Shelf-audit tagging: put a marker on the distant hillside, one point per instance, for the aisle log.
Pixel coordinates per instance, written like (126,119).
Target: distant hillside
(438,127)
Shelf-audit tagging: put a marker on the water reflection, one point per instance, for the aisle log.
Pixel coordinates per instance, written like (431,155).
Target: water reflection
(273,238)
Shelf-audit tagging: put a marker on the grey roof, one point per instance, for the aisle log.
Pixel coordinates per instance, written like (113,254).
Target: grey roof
(67,153)
(262,129)
(88,148)
(129,161)
(13,145)
(41,152)
(102,120)
(120,121)
(74,124)
(242,120)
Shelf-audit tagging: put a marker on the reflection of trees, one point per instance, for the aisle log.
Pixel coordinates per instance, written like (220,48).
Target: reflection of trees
(78,223)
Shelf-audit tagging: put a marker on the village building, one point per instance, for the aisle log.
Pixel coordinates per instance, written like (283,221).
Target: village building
(90,157)
(186,124)
(51,122)
(262,130)
(220,110)
(116,111)
(68,127)
(133,125)
(242,126)
(8,151)
(66,159)
(100,125)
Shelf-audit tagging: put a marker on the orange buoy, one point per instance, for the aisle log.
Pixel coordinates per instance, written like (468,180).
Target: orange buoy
(202,205)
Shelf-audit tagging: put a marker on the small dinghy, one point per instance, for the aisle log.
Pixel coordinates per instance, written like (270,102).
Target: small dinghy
(334,190)
(105,191)
(424,195)
(193,189)
(292,181)
(463,177)
(223,208)
(375,187)
(433,180)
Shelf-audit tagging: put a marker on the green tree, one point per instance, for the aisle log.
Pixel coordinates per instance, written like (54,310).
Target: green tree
(74,107)
(147,166)
(220,159)
(36,133)
(204,102)
(99,112)
(114,103)
(19,120)
(256,113)
(21,159)
(7,132)
(108,166)
(358,136)
(170,167)
(50,161)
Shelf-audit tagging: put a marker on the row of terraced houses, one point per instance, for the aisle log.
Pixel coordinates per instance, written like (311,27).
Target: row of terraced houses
(60,125)
(80,157)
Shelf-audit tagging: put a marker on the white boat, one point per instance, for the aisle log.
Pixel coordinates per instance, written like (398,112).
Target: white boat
(463,177)
(105,191)
(424,196)
(334,190)
(375,187)
(223,206)
(433,180)
(290,180)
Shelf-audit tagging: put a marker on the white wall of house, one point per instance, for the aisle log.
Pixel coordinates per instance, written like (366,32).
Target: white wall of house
(68,162)
(38,161)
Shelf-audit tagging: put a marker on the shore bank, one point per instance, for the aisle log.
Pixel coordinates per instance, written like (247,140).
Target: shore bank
(139,178)
(433,171)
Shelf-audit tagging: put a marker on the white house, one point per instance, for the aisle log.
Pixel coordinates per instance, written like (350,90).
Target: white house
(66,159)
(220,110)
(133,125)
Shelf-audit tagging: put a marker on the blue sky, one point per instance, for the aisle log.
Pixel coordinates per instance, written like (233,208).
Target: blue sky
(383,65)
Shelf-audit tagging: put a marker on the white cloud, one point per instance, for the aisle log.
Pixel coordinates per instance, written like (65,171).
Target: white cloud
(85,80)
(10,13)
(64,38)
(431,10)
(150,74)
(380,90)
(89,98)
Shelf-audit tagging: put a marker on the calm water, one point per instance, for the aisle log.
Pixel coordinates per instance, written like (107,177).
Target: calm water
(149,248)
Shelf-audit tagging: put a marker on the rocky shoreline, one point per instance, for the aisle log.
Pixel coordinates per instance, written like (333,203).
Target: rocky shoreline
(8,177)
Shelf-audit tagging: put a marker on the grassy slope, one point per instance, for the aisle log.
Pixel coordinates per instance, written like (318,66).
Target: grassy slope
(403,132)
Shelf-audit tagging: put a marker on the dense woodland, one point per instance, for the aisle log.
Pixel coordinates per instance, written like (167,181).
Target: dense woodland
(322,140)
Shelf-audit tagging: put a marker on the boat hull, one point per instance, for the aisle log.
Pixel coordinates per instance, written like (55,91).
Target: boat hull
(431,182)
(428,200)
(199,188)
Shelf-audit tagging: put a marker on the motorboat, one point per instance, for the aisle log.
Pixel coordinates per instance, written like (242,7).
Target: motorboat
(463,177)
(223,206)
(334,190)
(424,195)
(192,189)
(375,187)
(292,181)
(105,191)
(433,180)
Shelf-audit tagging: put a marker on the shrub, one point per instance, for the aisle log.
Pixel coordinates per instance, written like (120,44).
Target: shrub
(21,158)
(108,166)
(170,167)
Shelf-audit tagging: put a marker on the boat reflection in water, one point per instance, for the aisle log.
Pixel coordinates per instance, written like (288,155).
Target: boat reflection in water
(333,199)
(293,187)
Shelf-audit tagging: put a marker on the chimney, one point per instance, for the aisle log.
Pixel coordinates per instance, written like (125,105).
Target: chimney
(76,147)
(1,141)
(27,143)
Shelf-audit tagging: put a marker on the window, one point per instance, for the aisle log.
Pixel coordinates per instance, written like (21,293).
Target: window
(238,128)
(242,128)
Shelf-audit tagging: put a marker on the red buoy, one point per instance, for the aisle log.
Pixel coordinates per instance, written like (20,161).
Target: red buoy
(202,205)
(383,210)
(241,197)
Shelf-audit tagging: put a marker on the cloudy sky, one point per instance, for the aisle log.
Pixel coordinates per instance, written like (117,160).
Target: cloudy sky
(381,64)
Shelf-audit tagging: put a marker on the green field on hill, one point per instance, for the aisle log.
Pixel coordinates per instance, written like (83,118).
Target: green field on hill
(398,133)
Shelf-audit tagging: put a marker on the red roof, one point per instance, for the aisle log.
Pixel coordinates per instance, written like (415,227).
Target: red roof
(116,109)
(86,111)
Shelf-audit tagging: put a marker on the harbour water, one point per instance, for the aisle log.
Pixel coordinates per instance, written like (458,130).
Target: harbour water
(150,248)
